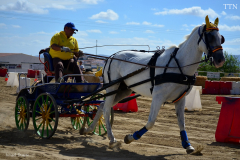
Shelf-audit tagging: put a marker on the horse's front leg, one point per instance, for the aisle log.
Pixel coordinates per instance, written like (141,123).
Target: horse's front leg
(157,102)
(179,107)
(109,102)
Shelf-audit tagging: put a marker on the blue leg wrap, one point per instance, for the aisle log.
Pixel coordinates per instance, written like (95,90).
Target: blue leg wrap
(185,142)
(138,134)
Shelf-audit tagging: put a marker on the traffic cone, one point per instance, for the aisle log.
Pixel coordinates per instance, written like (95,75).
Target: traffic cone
(35,77)
(129,106)
(6,77)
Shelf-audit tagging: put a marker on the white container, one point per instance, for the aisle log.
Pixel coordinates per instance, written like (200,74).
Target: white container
(23,83)
(193,100)
(13,79)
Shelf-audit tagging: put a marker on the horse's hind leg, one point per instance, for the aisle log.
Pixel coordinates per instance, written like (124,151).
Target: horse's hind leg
(109,102)
(179,107)
(155,107)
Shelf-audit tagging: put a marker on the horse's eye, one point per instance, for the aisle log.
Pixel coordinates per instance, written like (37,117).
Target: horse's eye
(222,39)
(210,37)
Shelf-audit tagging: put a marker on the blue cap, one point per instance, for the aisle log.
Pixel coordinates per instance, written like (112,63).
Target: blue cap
(71,25)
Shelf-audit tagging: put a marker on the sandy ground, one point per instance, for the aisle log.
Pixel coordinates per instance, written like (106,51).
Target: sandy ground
(161,142)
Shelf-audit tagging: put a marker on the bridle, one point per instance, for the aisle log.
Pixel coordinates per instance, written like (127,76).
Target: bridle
(210,49)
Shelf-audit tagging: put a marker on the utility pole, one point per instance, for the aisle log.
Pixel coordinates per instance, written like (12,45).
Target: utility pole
(96,47)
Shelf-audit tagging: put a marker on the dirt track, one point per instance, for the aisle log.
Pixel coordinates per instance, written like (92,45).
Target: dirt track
(161,142)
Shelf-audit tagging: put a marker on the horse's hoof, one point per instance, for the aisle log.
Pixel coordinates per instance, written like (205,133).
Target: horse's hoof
(82,131)
(189,149)
(113,145)
(128,139)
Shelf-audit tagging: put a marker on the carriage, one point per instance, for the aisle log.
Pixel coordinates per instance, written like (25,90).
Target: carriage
(45,103)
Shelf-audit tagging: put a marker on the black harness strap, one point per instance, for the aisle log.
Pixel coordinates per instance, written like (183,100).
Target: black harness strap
(174,78)
(169,78)
(152,62)
(172,55)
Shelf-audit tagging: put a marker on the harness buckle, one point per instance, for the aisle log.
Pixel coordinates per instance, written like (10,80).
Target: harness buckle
(185,79)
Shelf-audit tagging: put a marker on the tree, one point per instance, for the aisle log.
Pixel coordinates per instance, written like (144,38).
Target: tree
(231,65)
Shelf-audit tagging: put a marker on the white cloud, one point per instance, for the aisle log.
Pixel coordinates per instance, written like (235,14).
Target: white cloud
(94,31)
(99,21)
(80,34)
(149,31)
(132,23)
(158,25)
(233,17)
(123,30)
(91,1)
(146,23)
(232,42)
(16,26)
(229,28)
(109,15)
(223,13)
(154,9)
(185,25)
(23,6)
(3,25)
(233,51)
(196,11)
(58,6)
(113,32)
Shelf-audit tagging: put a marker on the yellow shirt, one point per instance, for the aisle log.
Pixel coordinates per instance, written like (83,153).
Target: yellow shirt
(62,40)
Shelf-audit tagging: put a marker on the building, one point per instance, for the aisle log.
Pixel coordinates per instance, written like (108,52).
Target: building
(19,62)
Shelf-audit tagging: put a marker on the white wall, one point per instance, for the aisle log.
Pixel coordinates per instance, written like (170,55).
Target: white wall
(23,59)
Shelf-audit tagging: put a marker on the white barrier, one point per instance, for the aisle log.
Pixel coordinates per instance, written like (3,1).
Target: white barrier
(23,83)
(12,79)
(235,88)
(193,100)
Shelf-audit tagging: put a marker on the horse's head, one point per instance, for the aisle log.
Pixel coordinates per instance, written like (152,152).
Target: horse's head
(212,42)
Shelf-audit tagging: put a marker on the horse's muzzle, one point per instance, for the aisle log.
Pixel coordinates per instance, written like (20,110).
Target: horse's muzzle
(218,59)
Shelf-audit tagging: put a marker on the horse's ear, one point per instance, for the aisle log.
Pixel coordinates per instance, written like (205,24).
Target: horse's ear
(207,22)
(216,21)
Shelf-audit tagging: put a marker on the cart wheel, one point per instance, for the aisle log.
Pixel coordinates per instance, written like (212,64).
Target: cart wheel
(45,115)
(77,122)
(22,113)
(100,128)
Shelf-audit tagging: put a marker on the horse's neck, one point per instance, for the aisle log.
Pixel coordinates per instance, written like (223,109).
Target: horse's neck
(189,53)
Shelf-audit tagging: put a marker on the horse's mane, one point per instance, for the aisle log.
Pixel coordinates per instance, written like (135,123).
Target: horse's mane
(186,38)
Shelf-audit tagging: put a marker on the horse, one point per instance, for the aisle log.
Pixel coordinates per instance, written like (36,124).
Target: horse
(204,38)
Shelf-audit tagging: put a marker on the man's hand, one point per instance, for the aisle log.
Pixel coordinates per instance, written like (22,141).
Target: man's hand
(79,53)
(65,49)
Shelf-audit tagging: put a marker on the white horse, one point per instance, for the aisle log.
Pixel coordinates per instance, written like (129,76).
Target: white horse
(204,38)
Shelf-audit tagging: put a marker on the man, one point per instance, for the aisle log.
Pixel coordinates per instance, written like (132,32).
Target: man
(81,66)
(63,48)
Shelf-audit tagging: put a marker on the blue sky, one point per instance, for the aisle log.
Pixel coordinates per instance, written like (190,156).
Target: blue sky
(26,26)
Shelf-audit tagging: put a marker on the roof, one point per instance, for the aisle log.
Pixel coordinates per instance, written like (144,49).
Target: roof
(8,54)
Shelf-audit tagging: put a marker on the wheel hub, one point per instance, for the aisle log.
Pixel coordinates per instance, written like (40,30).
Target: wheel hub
(22,112)
(45,114)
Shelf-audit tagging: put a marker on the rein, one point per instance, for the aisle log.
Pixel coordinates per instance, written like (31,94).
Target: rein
(102,58)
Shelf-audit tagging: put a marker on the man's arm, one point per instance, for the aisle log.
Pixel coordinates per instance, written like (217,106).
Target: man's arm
(56,47)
